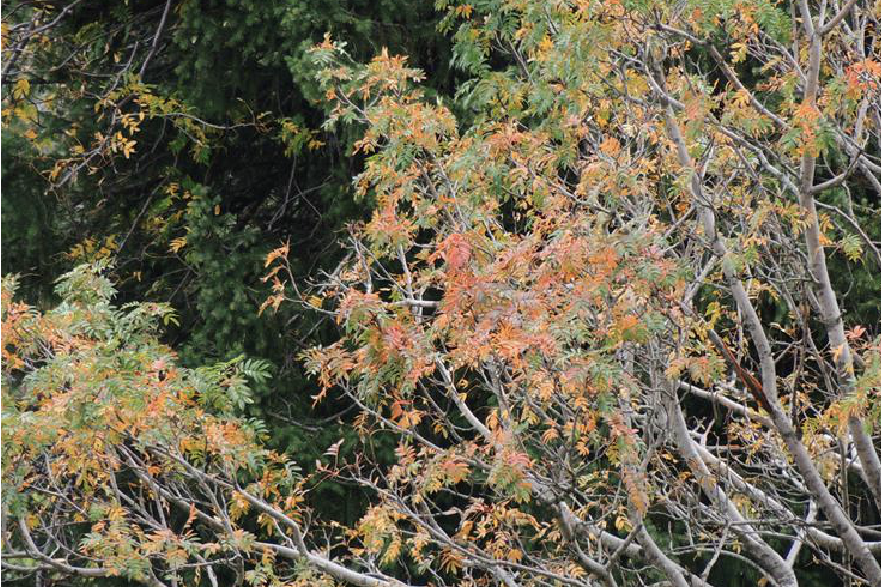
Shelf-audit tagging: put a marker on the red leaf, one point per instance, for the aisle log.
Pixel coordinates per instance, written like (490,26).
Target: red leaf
(455,250)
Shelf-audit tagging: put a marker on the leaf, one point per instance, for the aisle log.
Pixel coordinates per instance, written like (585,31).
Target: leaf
(177,244)
(334,449)
(610,146)
(455,250)
(22,88)
(852,247)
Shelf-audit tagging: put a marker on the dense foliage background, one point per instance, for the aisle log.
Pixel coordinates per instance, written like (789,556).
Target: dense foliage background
(227,162)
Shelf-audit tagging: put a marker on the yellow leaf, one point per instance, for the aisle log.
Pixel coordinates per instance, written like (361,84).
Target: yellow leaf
(610,147)
(22,88)
(177,244)
(738,52)
(546,44)
(128,148)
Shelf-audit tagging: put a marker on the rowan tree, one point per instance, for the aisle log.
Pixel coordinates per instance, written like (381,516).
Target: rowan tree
(595,312)
(119,463)
(600,316)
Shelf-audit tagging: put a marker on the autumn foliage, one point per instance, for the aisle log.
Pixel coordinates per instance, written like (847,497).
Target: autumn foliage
(593,310)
